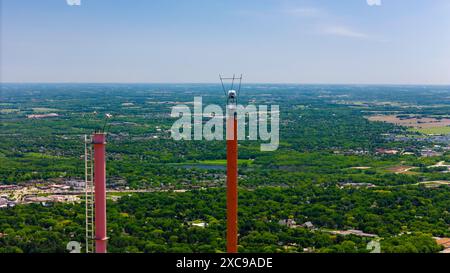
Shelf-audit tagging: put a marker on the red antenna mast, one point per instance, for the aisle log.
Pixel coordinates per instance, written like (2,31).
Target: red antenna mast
(232,164)
(96,191)
(99,142)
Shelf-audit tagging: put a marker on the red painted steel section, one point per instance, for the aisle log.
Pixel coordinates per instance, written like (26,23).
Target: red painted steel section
(232,191)
(99,142)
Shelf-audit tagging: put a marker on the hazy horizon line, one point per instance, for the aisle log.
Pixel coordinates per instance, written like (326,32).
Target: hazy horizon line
(243,83)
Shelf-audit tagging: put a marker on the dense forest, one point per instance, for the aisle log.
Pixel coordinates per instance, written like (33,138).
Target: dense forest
(161,222)
(328,170)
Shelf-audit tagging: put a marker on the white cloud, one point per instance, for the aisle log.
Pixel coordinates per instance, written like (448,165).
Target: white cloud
(73,2)
(344,32)
(374,2)
(305,12)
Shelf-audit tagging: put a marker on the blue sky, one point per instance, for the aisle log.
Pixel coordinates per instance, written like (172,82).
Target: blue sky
(399,42)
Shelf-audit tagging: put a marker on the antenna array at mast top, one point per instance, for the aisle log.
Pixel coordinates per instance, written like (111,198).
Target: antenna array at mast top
(233,80)
(231,93)
(94,117)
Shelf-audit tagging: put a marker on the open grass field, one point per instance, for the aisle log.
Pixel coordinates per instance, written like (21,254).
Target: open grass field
(9,111)
(224,162)
(434,131)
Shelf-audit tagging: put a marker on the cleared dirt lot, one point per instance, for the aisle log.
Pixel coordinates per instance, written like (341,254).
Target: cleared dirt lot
(401,169)
(416,122)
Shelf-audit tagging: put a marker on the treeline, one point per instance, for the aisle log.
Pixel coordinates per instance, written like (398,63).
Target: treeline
(162,222)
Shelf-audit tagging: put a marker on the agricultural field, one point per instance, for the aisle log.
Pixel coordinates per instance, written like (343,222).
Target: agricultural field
(435,130)
(440,125)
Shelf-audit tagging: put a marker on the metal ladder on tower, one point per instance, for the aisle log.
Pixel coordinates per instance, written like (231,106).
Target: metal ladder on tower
(89,194)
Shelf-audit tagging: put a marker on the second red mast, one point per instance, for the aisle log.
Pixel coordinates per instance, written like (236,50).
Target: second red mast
(99,142)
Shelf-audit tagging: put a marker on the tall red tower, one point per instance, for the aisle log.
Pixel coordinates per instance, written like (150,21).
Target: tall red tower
(99,142)
(232,177)
(232,163)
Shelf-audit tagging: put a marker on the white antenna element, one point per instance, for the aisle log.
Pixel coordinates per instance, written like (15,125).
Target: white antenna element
(231,94)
